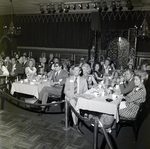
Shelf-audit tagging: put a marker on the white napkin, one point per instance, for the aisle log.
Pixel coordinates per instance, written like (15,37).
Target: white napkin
(122,105)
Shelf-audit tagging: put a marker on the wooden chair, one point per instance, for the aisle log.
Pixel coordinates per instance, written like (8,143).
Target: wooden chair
(135,123)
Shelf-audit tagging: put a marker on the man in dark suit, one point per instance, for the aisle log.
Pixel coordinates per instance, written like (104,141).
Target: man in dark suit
(15,70)
(57,82)
(127,82)
(42,67)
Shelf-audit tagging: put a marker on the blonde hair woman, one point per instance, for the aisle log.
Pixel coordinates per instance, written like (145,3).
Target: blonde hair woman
(30,70)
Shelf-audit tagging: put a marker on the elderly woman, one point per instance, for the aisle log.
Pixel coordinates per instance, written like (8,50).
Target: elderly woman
(30,70)
(86,74)
(3,69)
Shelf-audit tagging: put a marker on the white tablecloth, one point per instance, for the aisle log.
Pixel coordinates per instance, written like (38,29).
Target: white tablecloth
(30,89)
(99,104)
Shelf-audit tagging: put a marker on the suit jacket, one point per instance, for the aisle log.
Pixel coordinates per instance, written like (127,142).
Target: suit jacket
(18,69)
(127,87)
(69,86)
(61,78)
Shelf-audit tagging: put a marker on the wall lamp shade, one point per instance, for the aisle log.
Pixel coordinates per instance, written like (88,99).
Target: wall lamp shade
(12,30)
(87,6)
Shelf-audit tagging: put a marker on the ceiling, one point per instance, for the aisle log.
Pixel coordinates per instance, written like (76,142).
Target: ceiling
(33,6)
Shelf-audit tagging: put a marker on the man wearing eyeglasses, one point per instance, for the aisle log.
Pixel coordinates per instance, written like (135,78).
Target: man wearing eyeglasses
(56,84)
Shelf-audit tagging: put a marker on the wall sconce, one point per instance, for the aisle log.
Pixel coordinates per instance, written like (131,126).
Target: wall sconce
(60,9)
(42,9)
(129,5)
(87,6)
(113,5)
(66,8)
(80,6)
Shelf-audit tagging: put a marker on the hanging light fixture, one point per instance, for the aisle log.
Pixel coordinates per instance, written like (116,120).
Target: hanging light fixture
(113,5)
(105,8)
(144,30)
(129,5)
(60,9)
(42,9)
(66,8)
(12,30)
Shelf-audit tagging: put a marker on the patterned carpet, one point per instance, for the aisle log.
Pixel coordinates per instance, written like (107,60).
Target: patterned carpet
(21,132)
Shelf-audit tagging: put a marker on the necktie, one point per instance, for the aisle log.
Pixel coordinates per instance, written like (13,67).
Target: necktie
(75,86)
(56,77)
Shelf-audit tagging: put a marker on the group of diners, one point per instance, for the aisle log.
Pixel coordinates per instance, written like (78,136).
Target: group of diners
(73,80)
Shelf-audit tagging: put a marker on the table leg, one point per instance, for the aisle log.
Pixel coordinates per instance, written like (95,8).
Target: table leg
(95,134)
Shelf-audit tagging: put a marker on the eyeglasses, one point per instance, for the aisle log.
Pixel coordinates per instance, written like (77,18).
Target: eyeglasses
(56,66)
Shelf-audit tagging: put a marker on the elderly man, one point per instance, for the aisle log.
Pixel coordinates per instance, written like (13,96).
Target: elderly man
(56,84)
(75,85)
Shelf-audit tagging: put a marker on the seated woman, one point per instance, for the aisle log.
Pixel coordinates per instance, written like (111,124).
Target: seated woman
(108,67)
(97,73)
(86,74)
(130,106)
(30,70)
(3,69)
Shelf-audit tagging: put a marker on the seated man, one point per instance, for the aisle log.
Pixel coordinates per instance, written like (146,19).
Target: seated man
(75,85)
(127,82)
(15,69)
(56,84)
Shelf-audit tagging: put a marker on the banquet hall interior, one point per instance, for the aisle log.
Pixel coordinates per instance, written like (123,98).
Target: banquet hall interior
(73,32)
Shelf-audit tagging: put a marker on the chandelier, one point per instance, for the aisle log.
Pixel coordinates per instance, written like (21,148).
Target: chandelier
(12,30)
